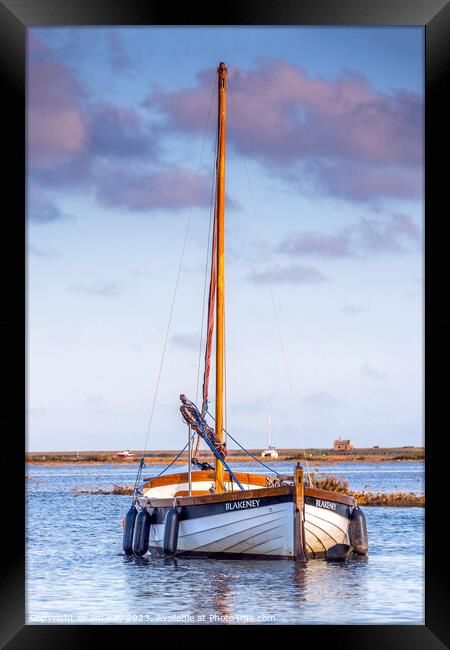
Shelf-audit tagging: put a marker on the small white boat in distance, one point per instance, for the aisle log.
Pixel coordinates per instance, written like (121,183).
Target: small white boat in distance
(270,451)
(124,454)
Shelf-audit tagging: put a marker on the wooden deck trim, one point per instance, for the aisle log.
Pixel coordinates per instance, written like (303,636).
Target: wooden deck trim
(239,495)
(204,475)
(330,496)
(243,477)
(194,493)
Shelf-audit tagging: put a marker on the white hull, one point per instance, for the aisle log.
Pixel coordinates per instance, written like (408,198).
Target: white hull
(266,531)
(323,529)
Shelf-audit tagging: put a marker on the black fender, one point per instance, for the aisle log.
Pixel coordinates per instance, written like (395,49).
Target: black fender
(141,532)
(358,532)
(171,526)
(128,530)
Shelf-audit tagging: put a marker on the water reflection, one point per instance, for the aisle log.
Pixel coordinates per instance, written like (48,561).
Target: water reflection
(217,598)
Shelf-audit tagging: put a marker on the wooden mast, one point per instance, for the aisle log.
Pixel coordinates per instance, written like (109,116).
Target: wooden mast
(220,206)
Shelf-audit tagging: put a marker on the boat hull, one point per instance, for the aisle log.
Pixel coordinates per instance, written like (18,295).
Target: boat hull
(256,526)
(326,524)
(257,523)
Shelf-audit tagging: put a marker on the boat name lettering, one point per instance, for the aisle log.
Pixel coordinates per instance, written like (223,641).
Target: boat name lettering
(320,503)
(238,505)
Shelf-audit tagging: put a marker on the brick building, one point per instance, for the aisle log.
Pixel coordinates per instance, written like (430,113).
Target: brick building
(342,445)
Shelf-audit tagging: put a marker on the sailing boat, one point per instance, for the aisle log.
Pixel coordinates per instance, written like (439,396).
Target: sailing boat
(270,451)
(214,511)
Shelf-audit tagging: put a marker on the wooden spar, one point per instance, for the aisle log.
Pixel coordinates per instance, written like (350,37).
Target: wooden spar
(220,206)
(299,515)
(190,459)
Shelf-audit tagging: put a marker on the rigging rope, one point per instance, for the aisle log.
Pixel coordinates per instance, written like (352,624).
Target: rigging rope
(205,285)
(173,461)
(195,447)
(264,257)
(194,418)
(138,476)
(246,450)
(188,225)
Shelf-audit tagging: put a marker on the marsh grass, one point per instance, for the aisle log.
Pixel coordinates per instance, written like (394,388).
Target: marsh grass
(121,490)
(392,499)
(330,483)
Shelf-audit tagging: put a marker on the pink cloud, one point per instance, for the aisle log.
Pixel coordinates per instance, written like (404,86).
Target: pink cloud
(55,121)
(376,235)
(74,142)
(317,243)
(185,109)
(170,188)
(287,117)
(294,274)
(63,123)
(360,181)
(54,135)
(119,131)
(368,235)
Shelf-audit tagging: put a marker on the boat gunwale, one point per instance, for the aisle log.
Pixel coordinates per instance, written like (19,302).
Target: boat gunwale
(243,477)
(240,495)
(330,496)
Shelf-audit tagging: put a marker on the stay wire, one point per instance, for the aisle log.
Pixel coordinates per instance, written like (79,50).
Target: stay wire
(175,459)
(205,286)
(188,225)
(246,450)
(263,254)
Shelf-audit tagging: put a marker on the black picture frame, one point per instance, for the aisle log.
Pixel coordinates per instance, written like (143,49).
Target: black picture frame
(15,17)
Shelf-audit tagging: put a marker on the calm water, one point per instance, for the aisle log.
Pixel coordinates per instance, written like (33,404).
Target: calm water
(77,573)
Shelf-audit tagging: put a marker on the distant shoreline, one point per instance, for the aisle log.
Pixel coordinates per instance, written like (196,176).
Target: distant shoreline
(161,457)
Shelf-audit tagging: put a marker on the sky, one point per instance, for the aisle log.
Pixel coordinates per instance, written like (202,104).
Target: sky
(323,244)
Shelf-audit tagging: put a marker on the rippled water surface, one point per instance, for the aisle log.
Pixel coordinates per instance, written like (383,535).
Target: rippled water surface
(77,573)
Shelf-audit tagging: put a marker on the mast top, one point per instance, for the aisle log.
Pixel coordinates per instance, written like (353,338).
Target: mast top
(222,68)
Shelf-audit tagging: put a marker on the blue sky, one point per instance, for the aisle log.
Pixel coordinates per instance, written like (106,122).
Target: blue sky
(330,131)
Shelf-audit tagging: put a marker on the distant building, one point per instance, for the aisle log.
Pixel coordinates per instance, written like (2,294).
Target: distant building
(342,445)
